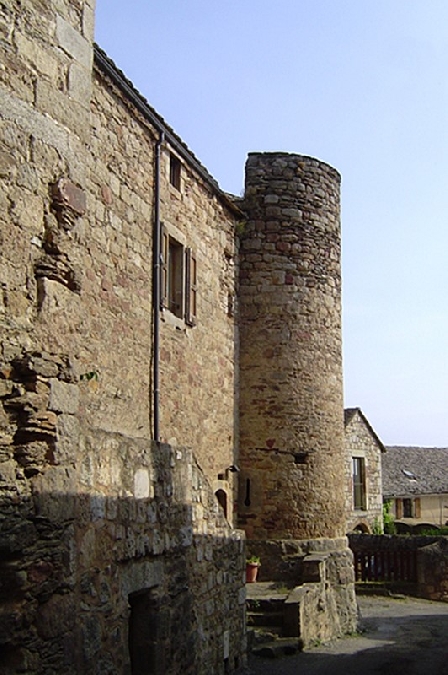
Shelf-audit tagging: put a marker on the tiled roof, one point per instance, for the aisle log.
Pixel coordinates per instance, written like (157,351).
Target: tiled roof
(426,471)
(350,413)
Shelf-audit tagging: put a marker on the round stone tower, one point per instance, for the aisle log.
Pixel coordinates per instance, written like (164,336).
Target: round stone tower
(292,481)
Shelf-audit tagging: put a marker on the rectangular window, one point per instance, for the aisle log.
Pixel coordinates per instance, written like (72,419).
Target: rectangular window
(175,171)
(359,483)
(175,277)
(178,279)
(408,511)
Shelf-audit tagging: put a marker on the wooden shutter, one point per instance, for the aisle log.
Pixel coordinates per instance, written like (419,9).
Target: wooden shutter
(164,254)
(417,508)
(399,508)
(190,288)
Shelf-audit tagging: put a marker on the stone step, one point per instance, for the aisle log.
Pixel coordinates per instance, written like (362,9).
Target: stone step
(260,635)
(277,648)
(266,604)
(264,618)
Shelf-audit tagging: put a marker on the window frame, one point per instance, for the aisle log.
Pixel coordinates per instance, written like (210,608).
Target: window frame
(191,287)
(178,278)
(359,483)
(175,169)
(408,507)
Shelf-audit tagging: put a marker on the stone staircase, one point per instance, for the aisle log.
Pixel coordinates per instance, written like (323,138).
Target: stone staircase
(265,619)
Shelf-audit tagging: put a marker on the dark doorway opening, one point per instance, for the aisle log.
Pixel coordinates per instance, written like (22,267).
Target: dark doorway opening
(222,500)
(146,649)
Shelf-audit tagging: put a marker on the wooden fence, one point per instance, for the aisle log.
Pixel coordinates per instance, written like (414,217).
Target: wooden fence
(381,565)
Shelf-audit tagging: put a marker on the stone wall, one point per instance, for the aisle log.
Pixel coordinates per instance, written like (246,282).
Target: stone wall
(291,424)
(77,274)
(79,564)
(432,570)
(197,363)
(101,528)
(320,572)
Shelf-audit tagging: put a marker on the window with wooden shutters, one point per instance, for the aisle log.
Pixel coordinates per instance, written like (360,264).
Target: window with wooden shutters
(408,511)
(175,277)
(190,288)
(178,278)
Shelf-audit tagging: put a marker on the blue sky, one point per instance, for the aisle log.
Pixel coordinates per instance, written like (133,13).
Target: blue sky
(362,85)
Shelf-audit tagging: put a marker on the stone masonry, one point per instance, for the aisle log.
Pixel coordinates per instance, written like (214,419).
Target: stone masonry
(126,414)
(115,554)
(362,442)
(292,452)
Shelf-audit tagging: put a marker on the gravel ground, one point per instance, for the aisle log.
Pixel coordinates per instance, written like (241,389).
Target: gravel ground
(398,637)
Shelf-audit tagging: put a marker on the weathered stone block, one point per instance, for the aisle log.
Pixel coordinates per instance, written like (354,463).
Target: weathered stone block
(59,106)
(68,436)
(64,397)
(141,484)
(56,616)
(73,43)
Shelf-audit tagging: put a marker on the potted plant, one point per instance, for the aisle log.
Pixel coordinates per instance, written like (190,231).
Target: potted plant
(252,565)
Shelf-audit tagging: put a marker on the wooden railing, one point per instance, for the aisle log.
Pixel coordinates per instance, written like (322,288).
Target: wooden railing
(381,565)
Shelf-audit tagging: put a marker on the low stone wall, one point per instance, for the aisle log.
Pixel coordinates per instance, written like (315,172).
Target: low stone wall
(432,569)
(323,602)
(389,542)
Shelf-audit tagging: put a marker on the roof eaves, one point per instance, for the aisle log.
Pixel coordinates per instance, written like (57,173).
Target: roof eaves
(107,66)
(349,414)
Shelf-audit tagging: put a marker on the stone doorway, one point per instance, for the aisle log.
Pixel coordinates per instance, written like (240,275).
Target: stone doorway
(145,647)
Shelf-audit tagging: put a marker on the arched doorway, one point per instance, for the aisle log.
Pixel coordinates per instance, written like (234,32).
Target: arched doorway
(221,496)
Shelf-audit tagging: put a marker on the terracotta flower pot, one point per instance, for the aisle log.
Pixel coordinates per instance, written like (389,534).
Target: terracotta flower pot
(251,572)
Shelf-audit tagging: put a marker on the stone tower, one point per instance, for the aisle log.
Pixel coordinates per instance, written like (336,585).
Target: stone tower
(292,452)
(291,494)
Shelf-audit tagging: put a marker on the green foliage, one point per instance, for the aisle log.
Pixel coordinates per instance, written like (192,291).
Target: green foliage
(253,559)
(240,227)
(377,527)
(91,375)
(435,531)
(388,519)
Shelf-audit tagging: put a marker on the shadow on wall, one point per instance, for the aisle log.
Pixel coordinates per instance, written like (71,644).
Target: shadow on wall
(97,584)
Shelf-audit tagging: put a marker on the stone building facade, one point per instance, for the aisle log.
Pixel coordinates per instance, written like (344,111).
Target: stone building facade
(363,480)
(115,554)
(415,483)
(120,353)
